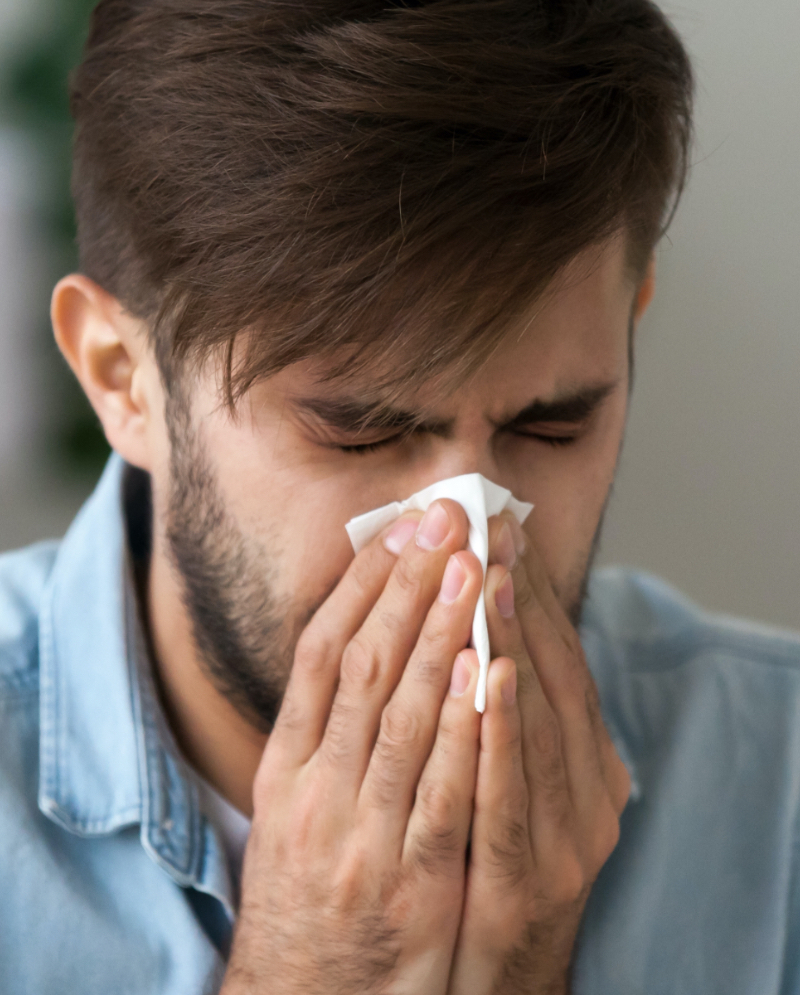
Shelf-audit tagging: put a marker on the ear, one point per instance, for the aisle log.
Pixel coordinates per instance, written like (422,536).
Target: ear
(108,351)
(646,291)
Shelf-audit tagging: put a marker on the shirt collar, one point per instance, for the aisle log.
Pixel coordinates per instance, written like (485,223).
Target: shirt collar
(107,757)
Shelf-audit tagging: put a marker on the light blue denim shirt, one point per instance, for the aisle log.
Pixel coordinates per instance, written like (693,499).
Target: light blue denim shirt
(112,880)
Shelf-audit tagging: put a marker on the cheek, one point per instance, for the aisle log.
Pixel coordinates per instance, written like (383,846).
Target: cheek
(297,516)
(569,494)
(564,521)
(315,548)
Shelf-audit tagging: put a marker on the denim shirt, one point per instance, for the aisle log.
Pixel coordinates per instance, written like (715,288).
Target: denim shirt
(113,881)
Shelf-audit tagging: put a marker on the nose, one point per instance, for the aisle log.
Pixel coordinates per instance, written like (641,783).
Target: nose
(471,453)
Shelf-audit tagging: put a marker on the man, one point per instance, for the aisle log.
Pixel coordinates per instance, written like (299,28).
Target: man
(331,253)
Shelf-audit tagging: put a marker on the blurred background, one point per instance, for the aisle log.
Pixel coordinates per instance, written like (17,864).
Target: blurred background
(707,494)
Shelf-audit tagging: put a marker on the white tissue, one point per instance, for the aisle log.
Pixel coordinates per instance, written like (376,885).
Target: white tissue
(480,498)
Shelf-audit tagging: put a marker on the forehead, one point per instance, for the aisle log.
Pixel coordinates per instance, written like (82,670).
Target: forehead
(576,331)
(573,336)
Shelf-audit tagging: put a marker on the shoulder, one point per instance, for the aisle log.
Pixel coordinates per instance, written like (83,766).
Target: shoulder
(647,624)
(23,578)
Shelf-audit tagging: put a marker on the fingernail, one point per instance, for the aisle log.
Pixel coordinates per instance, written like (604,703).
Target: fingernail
(505,551)
(452,582)
(434,527)
(459,681)
(508,691)
(400,534)
(504,597)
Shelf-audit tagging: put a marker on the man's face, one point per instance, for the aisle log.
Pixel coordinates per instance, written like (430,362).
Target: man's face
(253,508)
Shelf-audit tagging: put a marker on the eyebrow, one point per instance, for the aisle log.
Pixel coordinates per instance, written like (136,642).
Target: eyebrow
(352,416)
(568,408)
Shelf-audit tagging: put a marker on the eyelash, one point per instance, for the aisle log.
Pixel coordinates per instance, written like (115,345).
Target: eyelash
(371,447)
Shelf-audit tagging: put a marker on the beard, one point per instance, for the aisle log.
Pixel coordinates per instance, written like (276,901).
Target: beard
(246,634)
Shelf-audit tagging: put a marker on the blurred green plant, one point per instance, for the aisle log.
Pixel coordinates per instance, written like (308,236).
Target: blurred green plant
(34,94)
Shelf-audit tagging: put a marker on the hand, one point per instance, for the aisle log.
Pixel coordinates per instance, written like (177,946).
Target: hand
(354,872)
(550,788)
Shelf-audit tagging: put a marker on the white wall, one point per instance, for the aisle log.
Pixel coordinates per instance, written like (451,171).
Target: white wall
(709,489)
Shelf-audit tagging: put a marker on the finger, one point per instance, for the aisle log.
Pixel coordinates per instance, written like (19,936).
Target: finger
(375,657)
(509,545)
(438,827)
(318,653)
(561,749)
(521,556)
(410,719)
(501,841)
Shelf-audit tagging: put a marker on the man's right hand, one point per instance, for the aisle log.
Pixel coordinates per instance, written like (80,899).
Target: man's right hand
(354,872)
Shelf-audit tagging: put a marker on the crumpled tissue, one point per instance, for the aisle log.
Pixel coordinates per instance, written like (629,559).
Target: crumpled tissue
(480,498)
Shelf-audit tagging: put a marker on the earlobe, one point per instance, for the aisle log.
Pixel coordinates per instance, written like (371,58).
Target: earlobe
(107,351)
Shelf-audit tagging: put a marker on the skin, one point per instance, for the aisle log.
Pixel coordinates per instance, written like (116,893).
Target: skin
(356,874)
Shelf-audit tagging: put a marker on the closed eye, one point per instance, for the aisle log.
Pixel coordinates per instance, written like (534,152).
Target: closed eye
(363,449)
(550,440)
(370,447)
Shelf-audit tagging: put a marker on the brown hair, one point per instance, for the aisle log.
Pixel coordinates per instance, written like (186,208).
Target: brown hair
(366,179)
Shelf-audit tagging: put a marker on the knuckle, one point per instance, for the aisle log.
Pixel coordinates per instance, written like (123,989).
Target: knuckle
(437,629)
(527,681)
(393,622)
(437,851)
(431,671)
(592,697)
(400,730)
(546,742)
(266,782)
(361,665)
(439,808)
(605,839)
(291,717)
(523,592)
(568,882)
(572,691)
(450,730)
(361,579)
(337,744)
(510,736)
(394,750)
(304,820)
(549,782)
(385,778)
(312,652)
(407,579)
(621,786)
(509,847)
(574,644)
(348,884)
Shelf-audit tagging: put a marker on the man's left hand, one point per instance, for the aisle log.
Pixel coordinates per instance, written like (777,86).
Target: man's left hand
(550,788)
